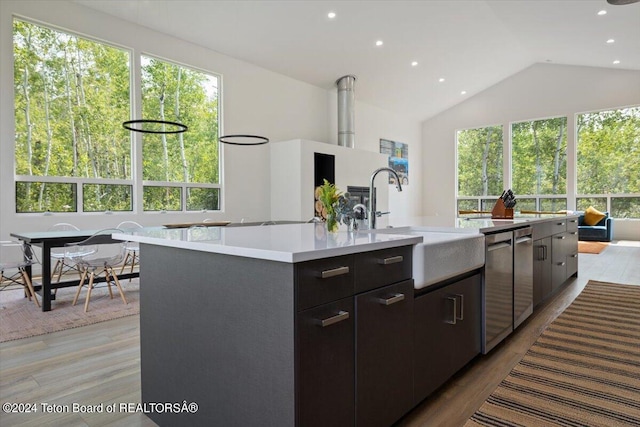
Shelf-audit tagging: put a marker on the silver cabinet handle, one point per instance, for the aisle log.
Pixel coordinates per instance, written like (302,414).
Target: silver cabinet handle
(455,315)
(342,315)
(334,272)
(574,255)
(560,223)
(391,300)
(574,232)
(461,296)
(497,246)
(392,260)
(560,264)
(523,239)
(561,237)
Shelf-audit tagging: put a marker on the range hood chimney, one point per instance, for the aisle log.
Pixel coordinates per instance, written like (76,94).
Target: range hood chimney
(346,111)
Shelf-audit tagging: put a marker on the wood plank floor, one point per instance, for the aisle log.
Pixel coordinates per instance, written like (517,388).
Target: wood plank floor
(101,363)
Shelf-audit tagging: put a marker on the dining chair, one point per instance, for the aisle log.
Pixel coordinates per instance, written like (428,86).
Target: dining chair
(62,264)
(132,256)
(95,257)
(12,258)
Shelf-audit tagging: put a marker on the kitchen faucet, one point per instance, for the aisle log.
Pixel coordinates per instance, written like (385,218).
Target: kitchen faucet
(372,201)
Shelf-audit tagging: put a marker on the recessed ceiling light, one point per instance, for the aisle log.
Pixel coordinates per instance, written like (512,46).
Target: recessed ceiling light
(379,43)
(464,92)
(617,61)
(441,79)
(611,41)
(602,12)
(331,15)
(414,63)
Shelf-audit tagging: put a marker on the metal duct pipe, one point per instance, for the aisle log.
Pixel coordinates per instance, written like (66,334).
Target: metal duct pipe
(346,111)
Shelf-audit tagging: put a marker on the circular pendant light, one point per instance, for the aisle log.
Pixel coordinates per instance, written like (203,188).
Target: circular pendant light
(154,126)
(244,139)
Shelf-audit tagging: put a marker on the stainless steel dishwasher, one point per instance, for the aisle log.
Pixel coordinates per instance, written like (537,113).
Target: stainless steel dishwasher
(522,275)
(498,289)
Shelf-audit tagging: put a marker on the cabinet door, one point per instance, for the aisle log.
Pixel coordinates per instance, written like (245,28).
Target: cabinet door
(448,331)
(325,365)
(384,364)
(571,250)
(541,270)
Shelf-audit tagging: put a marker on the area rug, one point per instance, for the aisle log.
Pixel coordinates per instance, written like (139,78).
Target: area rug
(592,247)
(584,370)
(21,318)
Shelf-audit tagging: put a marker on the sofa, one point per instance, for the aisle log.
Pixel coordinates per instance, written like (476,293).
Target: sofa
(601,232)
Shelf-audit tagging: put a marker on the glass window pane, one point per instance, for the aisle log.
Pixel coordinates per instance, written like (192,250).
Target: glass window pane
(106,197)
(45,197)
(203,199)
(539,156)
(174,93)
(480,161)
(583,203)
(162,198)
(625,207)
(71,96)
(488,204)
(467,205)
(525,204)
(608,152)
(553,205)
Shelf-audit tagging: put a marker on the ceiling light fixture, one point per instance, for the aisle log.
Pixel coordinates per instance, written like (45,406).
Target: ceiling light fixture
(331,15)
(414,63)
(154,126)
(464,92)
(621,2)
(441,79)
(379,43)
(602,12)
(610,41)
(616,62)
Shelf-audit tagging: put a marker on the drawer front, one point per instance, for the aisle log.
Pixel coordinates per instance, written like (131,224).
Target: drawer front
(384,267)
(542,230)
(572,224)
(324,280)
(559,225)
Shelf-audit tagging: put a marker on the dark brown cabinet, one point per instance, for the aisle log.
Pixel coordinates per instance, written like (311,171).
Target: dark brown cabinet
(354,338)
(325,366)
(384,360)
(447,325)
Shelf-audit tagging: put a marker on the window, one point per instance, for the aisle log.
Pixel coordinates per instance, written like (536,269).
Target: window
(608,150)
(539,163)
(72,153)
(71,97)
(479,167)
(175,93)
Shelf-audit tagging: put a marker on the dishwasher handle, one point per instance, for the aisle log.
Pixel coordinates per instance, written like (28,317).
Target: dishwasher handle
(499,245)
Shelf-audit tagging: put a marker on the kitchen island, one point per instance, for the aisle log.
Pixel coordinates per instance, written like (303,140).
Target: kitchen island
(287,325)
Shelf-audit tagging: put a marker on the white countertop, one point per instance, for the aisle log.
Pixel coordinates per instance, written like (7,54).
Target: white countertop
(470,224)
(284,243)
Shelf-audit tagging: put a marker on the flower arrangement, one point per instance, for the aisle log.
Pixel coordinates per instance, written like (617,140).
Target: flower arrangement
(332,205)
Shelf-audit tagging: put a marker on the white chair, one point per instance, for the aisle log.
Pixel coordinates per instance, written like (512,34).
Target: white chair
(12,257)
(97,257)
(132,256)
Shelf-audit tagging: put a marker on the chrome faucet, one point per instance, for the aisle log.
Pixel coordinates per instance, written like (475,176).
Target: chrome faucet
(372,201)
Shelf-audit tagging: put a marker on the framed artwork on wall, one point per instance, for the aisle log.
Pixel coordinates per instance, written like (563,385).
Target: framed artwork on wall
(398,153)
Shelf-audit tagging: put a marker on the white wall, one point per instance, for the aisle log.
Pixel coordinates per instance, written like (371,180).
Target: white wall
(540,91)
(255,101)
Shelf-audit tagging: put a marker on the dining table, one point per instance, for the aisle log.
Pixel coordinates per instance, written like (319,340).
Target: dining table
(46,240)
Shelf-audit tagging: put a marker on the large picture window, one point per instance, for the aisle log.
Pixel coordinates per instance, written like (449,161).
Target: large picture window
(608,169)
(72,153)
(71,97)
(480,178)
(539,164)
(171,92)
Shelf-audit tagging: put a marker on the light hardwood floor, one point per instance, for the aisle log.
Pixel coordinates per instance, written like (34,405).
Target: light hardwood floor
(101,363)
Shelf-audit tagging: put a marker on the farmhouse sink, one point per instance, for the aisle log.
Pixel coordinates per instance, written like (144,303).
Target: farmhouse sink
(442,256)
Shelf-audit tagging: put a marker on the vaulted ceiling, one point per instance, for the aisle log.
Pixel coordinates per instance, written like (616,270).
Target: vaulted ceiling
(458,45)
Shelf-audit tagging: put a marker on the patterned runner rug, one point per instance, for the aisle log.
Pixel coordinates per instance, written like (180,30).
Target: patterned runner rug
(21,318)
(584,370)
